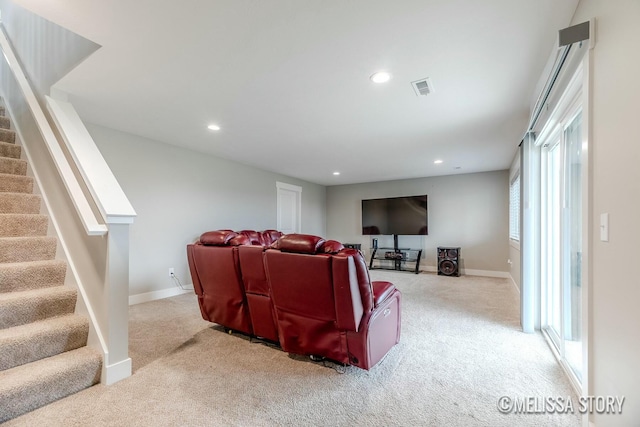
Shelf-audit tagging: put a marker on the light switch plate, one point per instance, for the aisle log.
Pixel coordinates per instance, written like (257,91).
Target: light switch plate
(604,227)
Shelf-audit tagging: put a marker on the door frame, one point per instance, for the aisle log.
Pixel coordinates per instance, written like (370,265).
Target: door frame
(293,188)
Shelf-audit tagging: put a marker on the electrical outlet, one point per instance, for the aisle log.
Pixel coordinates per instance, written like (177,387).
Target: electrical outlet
(171,272)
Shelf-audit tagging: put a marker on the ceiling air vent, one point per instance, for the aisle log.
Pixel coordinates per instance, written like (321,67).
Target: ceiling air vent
(422,87)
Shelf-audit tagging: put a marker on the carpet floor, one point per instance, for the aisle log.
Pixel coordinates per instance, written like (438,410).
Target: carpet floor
(461,349)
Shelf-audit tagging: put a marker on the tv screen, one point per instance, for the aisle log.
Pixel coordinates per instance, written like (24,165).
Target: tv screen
(404,216)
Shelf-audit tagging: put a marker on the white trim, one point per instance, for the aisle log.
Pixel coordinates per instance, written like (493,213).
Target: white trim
(118,371)
(289,187)
(155,295)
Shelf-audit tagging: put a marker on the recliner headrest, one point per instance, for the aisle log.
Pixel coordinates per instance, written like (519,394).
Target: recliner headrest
(217,238)
(255,237)
(270,236)
(240,240)
(331,247)
(299,243)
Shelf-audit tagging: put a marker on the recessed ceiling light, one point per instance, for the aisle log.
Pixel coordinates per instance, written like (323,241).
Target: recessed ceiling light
(437,162)
(336,173)
(380,77)
(213,127)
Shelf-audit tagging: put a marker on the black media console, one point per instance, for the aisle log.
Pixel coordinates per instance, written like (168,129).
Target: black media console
(395,258)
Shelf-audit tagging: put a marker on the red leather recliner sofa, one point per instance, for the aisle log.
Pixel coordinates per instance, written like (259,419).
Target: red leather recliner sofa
(224,295)
(312,296)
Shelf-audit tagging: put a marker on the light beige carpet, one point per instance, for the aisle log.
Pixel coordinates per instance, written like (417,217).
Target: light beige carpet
(461,349)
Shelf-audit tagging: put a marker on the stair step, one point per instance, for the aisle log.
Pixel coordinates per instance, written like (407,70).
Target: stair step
(21,308)
(5,123)
(24,249)
(34,341)
(8,135)
(13,166)
(23,276)
(20,203)
(23,225)
(15,183)
(37,384)
(10,150)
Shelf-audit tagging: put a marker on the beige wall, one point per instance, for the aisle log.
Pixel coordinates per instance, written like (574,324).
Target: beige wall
(614,351)
(178,194)
(467,210)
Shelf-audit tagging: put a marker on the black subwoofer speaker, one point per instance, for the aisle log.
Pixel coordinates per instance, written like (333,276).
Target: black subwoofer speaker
(448,261)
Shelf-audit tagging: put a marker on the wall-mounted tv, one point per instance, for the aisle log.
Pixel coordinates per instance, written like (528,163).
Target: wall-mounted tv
(406,216)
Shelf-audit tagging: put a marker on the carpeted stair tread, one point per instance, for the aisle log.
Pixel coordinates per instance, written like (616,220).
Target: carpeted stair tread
(23,276)
(8,135)
(27,387)
(10,150)
(15,183)
(43,352)
(13,166)
(24,249)
(20,203)
(15,225)
(34,341)
(21,308)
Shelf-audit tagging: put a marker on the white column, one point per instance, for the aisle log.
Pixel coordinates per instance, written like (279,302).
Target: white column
(116,291)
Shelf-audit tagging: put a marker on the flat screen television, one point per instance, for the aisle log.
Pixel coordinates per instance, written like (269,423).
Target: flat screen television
(406,216)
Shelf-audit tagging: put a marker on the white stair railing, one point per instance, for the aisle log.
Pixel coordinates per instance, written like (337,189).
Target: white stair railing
(104,285)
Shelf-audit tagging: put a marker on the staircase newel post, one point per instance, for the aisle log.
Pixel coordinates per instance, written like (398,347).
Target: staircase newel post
(117,363)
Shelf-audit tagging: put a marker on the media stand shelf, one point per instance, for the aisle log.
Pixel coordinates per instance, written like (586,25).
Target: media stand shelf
(396,259)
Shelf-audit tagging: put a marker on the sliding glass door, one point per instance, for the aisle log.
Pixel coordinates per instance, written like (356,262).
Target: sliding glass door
(561,240)
(551,239)
(572,245)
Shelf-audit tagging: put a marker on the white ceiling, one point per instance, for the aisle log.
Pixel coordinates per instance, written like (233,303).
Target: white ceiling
(288,81)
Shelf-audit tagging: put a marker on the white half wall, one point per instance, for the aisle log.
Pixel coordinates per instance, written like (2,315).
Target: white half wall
(178,194)
(466,210)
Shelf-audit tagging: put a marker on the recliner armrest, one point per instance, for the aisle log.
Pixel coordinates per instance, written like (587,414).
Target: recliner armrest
(381,291)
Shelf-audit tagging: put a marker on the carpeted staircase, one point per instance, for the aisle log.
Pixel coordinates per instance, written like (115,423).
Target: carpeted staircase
(43,352)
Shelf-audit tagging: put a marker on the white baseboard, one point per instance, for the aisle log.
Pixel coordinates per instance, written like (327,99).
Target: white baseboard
(472,272)
(515,285)
(118,371)
(154,295)
(486,273)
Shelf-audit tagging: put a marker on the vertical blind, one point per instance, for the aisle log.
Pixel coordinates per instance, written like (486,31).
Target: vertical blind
(514,209)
